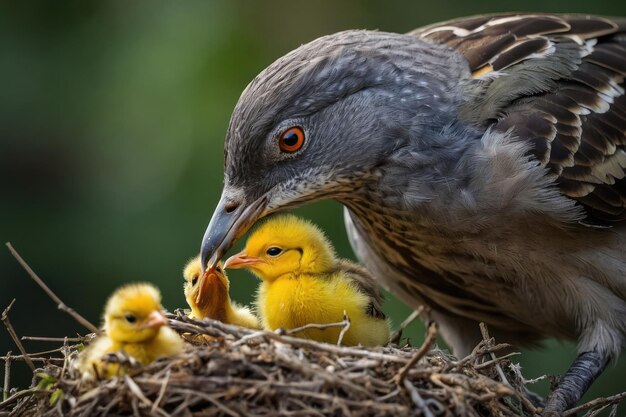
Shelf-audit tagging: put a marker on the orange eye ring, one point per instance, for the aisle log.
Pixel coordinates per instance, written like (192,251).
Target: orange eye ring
(291,140)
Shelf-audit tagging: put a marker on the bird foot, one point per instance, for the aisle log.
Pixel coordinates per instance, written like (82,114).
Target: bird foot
(585,369)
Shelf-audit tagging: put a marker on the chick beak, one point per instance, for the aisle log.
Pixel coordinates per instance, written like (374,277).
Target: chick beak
(155,320)
(229,222)
(241,260)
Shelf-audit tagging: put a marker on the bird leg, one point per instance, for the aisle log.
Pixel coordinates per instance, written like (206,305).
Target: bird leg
(586,368)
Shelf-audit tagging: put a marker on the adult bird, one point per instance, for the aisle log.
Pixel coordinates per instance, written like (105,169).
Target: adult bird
(481,163)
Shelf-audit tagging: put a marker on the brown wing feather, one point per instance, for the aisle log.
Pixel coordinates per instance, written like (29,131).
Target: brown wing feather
(366,284)
(556,81)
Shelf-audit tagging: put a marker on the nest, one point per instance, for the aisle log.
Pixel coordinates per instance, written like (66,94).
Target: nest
(228,370)
(231,371)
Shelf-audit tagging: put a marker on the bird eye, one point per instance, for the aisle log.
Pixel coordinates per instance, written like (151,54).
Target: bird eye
(130,318)
(218,269)
(194,281)
(274,251)
(291,140)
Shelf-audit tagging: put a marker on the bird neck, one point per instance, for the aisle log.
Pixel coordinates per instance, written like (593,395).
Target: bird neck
(421,172)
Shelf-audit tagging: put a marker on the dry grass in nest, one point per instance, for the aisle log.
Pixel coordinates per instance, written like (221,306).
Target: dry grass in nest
(228,370)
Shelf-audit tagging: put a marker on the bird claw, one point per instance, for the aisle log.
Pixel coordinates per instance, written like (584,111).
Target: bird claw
(586,368)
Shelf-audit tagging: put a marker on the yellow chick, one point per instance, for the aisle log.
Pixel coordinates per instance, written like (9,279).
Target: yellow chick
(135,324)
(304,282)
(213,301)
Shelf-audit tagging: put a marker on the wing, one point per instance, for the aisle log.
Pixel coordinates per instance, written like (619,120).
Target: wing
(366,284)
(556,81)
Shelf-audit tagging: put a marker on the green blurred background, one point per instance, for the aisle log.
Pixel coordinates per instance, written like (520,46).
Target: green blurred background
(112,120)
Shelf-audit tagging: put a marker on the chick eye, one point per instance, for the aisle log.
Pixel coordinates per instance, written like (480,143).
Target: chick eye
(194,281)
(218,269)
(274,251)
(130,318)
(291,140)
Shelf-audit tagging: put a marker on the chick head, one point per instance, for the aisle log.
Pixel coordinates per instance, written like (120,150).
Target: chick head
(200,293)
(285,245)
(133,314)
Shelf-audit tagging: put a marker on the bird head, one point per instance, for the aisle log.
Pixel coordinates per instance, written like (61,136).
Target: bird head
(133,314)
(285,245)
(320,122)
(215,288)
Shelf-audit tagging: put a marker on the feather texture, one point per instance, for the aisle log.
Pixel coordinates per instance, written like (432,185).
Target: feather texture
(556,82)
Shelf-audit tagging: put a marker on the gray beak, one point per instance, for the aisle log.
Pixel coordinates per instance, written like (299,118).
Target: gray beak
(229,222)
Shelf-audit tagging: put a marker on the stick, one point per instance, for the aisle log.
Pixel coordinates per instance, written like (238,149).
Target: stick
(7,377)
(9,326)
(485,333)
(23,358)
(346,321)
(395,337)
(431,336)
(493,361)
(134,388)
(312,326)
(166,381)
(417,399)
(60,304)
(614,399)
(320,346)
(53,339)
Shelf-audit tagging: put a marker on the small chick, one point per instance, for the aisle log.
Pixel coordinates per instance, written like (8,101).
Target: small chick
(304,282)
(214,301)
(135,324)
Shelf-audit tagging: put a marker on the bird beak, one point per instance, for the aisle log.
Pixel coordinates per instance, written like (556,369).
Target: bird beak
(155,320)
(241,260)
(226,226)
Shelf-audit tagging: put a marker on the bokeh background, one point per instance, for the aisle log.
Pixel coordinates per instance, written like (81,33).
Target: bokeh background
(112,120)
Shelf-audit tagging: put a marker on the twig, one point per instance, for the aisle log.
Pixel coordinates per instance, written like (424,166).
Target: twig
(25,358)
(397,335)
(430,338)
(162,390)
(54,339)
(417,398)
(491,362)
(134,388)
(11,330)
(20,394)
(296,330)
(485,333)
(66,357)
(60,304)
(34,354)
(346,327)
(6,388)
(605,401)
(312,344)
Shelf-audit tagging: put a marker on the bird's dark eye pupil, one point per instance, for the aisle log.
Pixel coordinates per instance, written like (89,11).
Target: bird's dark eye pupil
(218,269)
(194,281)
(290,139)
(130,318)
(273,251)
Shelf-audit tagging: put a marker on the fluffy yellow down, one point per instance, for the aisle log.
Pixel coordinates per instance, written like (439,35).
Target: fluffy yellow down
(133,323)
(303,282)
